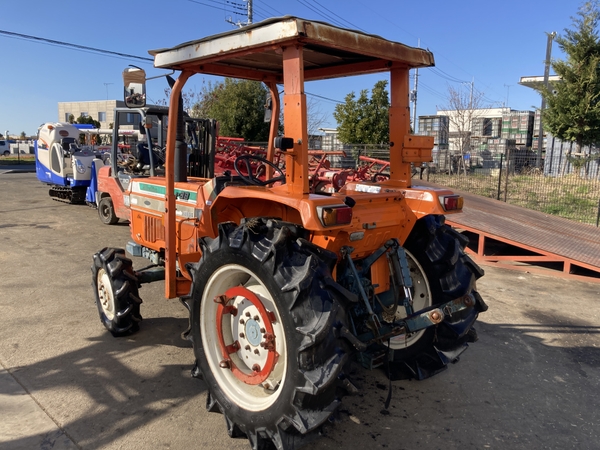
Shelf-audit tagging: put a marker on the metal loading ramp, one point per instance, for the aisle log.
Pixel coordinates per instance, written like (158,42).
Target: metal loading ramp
(518,238)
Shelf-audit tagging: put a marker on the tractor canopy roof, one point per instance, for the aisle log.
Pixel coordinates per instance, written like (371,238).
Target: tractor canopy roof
(254,52)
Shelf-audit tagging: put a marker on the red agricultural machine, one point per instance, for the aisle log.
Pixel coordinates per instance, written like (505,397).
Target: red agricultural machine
(285,287)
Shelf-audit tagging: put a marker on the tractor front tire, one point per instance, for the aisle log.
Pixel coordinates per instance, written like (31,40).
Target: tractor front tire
(263,319)
(116,289)
(106,211)
(441,271)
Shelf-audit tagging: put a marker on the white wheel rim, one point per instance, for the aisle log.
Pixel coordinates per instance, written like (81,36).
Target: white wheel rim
(252,397)
(105,294)
(421,293)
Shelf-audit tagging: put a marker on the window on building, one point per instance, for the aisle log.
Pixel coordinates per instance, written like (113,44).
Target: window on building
(101,116)
(67,116)
(84,114)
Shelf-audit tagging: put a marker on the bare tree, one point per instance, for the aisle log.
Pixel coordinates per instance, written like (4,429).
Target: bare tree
(315,116)
(190,98)
(462,108)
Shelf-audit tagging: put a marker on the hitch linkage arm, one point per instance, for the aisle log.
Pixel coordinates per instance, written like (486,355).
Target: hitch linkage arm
(426,318)
(375,325)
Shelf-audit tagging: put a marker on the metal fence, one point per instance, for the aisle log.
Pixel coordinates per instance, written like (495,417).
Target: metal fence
(567,184)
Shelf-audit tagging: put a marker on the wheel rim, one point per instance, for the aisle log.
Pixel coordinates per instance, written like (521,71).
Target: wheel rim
(243,337)
(105,294)
(104,211)
(421,294)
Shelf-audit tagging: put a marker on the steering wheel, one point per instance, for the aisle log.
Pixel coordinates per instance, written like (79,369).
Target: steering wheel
(242,162)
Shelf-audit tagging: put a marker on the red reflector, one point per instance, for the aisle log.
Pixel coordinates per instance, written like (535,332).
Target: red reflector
(336,215)
(344,215)
(453,202)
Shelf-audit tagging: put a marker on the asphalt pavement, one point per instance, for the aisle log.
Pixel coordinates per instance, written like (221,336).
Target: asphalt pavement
(530,382)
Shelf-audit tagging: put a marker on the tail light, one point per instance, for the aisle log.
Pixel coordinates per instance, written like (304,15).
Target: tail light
(335,215)
(451,202)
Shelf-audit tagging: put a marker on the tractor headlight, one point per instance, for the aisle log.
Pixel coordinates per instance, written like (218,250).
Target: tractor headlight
(79,166)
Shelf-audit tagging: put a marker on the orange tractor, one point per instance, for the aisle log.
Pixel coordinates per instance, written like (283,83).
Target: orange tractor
(285,288)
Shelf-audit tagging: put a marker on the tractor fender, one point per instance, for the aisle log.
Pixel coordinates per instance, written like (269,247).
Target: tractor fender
(427,200)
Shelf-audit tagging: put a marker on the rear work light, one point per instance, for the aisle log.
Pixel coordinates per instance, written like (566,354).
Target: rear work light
(335,215)
(452,202)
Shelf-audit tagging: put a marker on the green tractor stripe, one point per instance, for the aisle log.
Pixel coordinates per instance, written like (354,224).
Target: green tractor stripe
(161,190)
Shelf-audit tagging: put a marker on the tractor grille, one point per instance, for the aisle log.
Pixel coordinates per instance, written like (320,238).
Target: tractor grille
(154,230)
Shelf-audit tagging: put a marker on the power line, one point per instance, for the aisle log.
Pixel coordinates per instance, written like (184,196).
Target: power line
(431,90)
(235,5)
(75,46)
(221,8)
(271,8)
(324,98)
(440,73)
(321,13)
(327,9)
(372,9)
(263,12)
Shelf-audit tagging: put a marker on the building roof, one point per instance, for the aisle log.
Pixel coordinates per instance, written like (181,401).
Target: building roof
(538,81)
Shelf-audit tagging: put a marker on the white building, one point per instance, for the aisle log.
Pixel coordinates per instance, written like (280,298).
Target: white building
(100,110)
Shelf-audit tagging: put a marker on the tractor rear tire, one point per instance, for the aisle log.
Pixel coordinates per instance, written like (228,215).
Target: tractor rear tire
(116,289)
(106,211)
(441,271)
(263,317)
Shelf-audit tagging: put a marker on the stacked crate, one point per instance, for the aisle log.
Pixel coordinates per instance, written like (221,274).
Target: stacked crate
(438,127)
(496,127)
(486,126)
(518,125)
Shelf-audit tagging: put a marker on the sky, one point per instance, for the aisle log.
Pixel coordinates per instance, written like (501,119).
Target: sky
(487,44)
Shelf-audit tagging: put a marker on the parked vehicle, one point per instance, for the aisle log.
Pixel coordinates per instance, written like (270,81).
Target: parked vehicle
(285,287)
(110,188)
(4,147)
(62,163)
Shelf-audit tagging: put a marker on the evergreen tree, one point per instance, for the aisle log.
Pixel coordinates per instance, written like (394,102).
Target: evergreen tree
(364,120)
(238,106)
(573,112)
(88,120)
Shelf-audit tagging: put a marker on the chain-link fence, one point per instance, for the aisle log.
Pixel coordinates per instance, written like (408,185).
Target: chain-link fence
(567,184)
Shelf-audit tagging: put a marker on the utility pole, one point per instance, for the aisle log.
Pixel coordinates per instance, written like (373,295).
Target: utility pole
(106,86)
(538,161)
(413,96)
(413,99)
(471,95)
(249,17)
(507,86)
